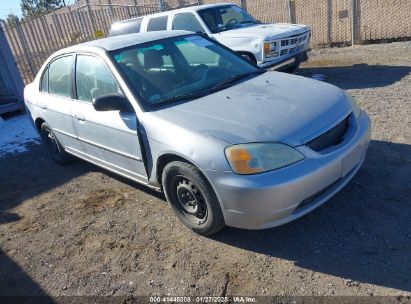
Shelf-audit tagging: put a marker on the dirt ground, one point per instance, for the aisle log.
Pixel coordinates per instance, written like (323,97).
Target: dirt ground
(79,230)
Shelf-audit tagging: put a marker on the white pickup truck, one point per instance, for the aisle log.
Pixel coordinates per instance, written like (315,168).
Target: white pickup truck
(268,45)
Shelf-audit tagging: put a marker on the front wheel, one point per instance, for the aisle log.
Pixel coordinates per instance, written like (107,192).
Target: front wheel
(292,69)
(192,198)
(248,57)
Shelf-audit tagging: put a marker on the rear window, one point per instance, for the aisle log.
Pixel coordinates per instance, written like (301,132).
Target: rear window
(128,27)
(157,24)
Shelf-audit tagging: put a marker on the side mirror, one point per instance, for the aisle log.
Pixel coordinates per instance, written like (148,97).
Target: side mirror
(111,102)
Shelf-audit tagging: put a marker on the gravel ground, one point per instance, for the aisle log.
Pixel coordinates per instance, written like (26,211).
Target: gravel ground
(79,230)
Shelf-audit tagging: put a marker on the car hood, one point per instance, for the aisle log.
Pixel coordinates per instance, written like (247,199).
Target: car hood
(266,31)
(272,107)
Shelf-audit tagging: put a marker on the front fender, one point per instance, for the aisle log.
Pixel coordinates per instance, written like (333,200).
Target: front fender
(201,149)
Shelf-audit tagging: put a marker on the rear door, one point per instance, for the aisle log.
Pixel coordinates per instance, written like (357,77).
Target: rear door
(109,138)
(56,101)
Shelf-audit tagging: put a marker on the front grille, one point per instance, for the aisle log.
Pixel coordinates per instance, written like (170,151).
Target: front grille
(284,52)
(294,41)
(293,44)
(331,137)
(285,42)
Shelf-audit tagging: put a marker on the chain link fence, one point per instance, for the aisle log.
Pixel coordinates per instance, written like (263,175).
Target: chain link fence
(333,22)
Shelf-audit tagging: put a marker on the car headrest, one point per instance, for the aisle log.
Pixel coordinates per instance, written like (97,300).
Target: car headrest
(153,59)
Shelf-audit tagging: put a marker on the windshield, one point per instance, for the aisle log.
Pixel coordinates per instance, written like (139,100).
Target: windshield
(180,68)
(223,18)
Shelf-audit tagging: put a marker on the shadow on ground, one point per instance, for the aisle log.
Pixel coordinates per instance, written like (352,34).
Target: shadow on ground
(363,233)
(357,76)
(28,174)
(15,283)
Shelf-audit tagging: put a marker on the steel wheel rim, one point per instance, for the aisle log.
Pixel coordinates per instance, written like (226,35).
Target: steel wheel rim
(191,201)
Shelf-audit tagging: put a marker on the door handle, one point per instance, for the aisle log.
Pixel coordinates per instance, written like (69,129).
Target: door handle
(43,106)
(79,116)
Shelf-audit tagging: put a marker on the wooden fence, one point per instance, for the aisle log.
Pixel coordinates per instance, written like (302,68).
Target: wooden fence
(32,41)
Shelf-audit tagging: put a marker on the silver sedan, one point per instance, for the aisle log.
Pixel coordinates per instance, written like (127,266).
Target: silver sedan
(228,143)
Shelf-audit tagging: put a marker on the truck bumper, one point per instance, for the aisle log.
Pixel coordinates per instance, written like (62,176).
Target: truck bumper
(288,62)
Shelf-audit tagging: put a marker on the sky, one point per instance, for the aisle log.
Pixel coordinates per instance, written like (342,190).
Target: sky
(7,6)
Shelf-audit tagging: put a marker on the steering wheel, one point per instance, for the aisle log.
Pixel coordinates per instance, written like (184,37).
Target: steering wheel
(199,69)
(231,20)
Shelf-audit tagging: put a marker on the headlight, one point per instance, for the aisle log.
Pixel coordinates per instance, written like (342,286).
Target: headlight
(355,108)
(269,47)
(260,157)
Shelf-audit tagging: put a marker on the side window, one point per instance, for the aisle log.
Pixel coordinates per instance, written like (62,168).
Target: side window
(93,78)
(137,24)
(126,27)
(60,76)
(188,22)
(157,24)
(44,86)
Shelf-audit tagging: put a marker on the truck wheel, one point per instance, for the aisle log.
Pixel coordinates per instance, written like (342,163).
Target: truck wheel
(292,69)
(54,147)
(192,198)
(248,57)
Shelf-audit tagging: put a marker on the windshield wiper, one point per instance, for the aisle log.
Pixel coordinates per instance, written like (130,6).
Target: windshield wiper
(180,97)
(248,21)
(234,78)
(227,27)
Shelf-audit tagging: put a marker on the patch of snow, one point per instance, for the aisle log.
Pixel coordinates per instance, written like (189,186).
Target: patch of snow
(15,134)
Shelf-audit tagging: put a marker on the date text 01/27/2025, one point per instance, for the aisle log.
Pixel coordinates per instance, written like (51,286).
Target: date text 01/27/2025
(171,299)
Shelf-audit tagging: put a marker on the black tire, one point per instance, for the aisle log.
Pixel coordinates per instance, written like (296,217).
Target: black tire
(53,146)
(292,69)
(249,57)
(192,198)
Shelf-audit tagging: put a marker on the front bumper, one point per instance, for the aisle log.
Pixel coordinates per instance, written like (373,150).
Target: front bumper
(287,62)
(274,198)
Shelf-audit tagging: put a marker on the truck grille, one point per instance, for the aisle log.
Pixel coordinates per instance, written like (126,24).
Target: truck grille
(285,42)
(331,137)
(289,45)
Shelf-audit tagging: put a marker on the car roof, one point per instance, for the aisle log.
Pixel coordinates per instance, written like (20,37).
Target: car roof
(179,10)
(122,41)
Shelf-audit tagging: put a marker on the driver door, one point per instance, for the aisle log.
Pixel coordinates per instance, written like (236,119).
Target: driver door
(108,138)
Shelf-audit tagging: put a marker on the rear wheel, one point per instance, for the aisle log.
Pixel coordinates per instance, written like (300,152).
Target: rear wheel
(54,147)
(192,198)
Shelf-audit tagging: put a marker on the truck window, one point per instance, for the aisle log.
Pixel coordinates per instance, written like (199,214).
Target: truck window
(126,27)
(157,24)
(187,22)
(224,18)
